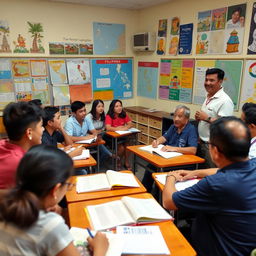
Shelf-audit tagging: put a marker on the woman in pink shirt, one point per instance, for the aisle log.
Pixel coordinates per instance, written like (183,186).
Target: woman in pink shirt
(118,120)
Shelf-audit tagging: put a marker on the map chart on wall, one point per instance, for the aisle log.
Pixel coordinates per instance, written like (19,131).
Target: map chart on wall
(231,83)
(176,79)
(112,78)
(58,71)
(147,79)
(249,83)
(108,38)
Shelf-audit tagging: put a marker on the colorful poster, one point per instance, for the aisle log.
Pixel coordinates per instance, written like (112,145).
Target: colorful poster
(4,36)
(79,71)
(38,68)
(112,78)
(174,36)
(86,49)
(109,38)
(58,72)
(249,83)
(36,34)
(71,49)
(226,31)
(81,92)
(204,21)
(147,79)
(21,44)
(42,95)
(61,95)
(40,89)
(5,69)
(252,36)
(6,93)
(186,34)
(20,68)
(161,39)
(218,19)
(176,79)
(231,83)
(56,48)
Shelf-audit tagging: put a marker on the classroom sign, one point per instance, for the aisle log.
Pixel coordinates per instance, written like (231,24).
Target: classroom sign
(112,78)
(176,80)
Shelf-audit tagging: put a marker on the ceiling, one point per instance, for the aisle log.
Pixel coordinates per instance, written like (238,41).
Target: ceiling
(125,4)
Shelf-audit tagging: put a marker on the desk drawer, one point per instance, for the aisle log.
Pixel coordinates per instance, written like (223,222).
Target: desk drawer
(155,122)
(143,128)
(143,138)
(142,119)
(133,116)
(154,132)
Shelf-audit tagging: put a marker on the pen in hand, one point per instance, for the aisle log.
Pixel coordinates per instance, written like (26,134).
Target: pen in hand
(90,233)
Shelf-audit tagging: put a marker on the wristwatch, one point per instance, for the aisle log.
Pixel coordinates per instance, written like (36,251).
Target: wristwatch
(208,119)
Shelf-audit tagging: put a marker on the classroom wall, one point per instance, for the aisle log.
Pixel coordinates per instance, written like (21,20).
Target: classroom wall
(187,10)
(63,20)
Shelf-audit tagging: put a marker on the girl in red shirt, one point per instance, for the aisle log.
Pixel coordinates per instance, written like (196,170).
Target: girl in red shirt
(118,120)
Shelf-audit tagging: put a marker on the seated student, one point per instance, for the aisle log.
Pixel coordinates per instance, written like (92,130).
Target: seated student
(24,127)
(97,117)
(248,115)
(181,137)
(77,127)
(118,120)
(224,203)
(27,226)
(54,131)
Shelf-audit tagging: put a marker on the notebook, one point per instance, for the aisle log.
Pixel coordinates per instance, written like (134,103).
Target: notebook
(159,152)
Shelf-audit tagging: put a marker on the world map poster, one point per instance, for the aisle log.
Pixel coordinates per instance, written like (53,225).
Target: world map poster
(112,78)
(108,38)
(176,79)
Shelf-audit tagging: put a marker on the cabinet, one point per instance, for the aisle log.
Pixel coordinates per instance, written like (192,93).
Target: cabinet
(149,123)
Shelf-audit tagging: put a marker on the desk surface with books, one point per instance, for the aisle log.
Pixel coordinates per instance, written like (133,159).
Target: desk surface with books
(175,241)
(73,196)
(161,162)
(85,162)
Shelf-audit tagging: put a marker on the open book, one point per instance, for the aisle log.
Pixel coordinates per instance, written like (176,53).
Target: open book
(158,151)
(181,185)
(105,181)
(89,141)
(131,130)
(80,236)
(127,211)
(143,240)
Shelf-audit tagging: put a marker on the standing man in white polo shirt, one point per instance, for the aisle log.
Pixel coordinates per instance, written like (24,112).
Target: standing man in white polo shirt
(216,105)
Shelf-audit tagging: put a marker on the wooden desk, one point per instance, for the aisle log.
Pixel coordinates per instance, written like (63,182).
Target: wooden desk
(91,145)
(85,162)
(72,196)
(175,241)
(115,136)
(160,162)
(159,184)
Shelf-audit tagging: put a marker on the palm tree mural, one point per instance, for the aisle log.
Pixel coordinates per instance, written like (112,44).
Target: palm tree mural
(4,32)
(35,29)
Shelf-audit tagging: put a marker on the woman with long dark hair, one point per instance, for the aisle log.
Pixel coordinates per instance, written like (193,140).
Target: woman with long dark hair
(118,120)
(27,226)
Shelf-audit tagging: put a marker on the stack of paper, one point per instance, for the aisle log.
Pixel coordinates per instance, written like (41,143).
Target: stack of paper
(85,154)
(181,185)
(131,130)
(87,141)
(80,236)
(143,240)
(165,154)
